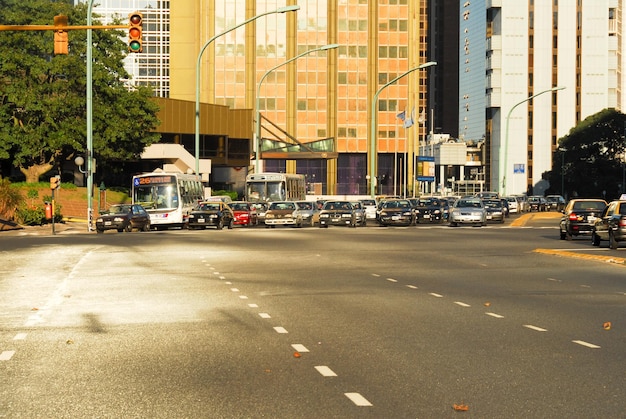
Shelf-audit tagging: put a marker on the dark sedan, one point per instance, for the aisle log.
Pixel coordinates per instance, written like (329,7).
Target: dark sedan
(431,210)
(214,213)
(337,213)
(123,217)
(495,210)
(611,225)
(579,216)
(396,212)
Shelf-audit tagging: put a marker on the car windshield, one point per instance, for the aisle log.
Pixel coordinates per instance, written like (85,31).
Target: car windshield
(469,203)
(397,204)
(492,204)
(305,205)
(119,209)
(209,206)
(240,206)
(283,206)
(337,206)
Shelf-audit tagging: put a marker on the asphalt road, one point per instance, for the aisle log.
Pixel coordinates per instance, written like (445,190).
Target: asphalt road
(301,323)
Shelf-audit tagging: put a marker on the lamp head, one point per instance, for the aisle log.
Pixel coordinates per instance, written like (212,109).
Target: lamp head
(288,9)
(329,46)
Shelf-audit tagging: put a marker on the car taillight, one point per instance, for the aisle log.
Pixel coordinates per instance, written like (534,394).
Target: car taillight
(622,222)
(573,217)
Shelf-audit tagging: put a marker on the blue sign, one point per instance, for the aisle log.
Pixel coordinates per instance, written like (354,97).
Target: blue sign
(519,168)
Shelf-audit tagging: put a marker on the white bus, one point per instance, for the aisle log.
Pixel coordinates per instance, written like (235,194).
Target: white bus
(272,187)
(167,197)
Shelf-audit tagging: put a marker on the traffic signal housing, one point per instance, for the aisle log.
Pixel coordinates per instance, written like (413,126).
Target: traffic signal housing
(55,182)
(135,22)
(60,35)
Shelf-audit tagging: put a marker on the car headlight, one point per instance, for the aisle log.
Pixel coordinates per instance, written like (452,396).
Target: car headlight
(407,213)
(213,216)
(324,215)
(288,215)
(98,220)
(437,212)
(346,215)
(269,216)
(118,219)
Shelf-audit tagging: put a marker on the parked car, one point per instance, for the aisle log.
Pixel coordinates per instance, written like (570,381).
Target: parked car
(495,210)
(123,217)
(555,202)
(522,203)
(469,210)
(245,213)
(214,213)
(337,213)
(396,212)
(611,225)
(514,207)
(430,209)
(537,203)
(369,205)
(285,213)
(579,216)
(309,211)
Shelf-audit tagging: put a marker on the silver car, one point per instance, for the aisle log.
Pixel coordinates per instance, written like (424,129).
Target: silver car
(469,210)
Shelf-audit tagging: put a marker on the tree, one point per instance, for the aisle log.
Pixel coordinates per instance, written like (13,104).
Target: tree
(591,157)
(43,97)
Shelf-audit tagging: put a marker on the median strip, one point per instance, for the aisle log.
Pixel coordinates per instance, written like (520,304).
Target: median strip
(577,255)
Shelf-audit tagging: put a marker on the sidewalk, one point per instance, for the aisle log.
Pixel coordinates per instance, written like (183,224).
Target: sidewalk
(67,227)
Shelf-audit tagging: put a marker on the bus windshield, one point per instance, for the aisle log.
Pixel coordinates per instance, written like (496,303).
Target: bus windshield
(266,191)
(156,196)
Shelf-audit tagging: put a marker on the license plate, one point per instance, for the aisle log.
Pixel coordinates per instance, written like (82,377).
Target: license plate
(201,220)
(336,220)
(591,218)
(107,223)
(489,217)
(426,216)
(395,217)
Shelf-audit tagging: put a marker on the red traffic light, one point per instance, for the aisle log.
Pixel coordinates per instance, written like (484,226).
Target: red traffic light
(135,20)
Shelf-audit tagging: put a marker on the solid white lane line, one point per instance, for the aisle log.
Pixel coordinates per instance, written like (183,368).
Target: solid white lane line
(358,399)
(6,355)
(325,371)
(413,287)
(280,329)
(435,295)
(265,316)
(20,336)
(587,344)
(497,316)
(392,280)
(461,304)
(252,305)
(300,348)
(538,329)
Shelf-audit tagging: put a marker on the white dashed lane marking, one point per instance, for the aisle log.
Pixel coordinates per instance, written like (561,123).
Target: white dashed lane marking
(535,328)
(325,371)
(20,336)
(461,304)
(6,355)
(300,348)
(265,316)
(435,295)
(587,344)
(497,316)
(357,399)
(280,329)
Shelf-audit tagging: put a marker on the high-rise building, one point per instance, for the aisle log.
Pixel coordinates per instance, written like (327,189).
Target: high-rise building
(325,95)
(549,65)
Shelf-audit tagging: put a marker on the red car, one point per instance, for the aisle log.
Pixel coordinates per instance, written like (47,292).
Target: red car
(245,213)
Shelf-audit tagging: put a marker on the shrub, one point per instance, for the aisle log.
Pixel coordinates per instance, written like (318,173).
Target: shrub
(10,199)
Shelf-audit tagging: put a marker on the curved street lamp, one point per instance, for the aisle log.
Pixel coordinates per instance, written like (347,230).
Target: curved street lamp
(373,139)
(506,138)
(257,140)
(197,130)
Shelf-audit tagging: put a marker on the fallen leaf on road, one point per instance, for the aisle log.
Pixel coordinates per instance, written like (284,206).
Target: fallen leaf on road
(607,326)
(296,355)
(487,304)
(460,407)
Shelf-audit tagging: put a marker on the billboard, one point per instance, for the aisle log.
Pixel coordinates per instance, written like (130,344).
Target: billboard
(425,168)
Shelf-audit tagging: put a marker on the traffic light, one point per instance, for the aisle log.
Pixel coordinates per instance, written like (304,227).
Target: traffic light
(55,182)
(135,20)
(60,35)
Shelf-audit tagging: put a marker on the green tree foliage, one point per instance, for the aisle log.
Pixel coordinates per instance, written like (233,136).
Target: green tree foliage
(591,155)
(43,96)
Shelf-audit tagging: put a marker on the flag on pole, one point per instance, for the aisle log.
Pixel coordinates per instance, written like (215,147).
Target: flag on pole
(409,121)
(422,119)
(402,116)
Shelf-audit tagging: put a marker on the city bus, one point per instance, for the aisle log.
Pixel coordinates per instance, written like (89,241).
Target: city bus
(168,197)
(272,187)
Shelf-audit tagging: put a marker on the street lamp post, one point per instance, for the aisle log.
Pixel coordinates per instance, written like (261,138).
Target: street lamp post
(506,138)
(562,151)
(204,47)
(257,141)
(373,142)
(89,116)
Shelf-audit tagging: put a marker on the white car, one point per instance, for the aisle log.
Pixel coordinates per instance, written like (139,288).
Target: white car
(513,204)
(369,205)
(470,210)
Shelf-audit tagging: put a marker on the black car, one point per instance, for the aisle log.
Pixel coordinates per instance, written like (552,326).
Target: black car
(579,217)
(555,202)
(396,212)
(537,203)
(338,213)
(430,210)
(213,213)
(123,217)
(611,225)
(495,210)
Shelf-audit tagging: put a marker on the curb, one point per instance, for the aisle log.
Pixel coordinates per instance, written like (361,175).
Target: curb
(585,256)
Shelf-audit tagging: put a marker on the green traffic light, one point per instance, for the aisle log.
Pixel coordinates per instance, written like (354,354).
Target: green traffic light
(134,46)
